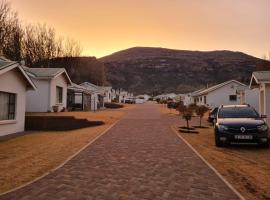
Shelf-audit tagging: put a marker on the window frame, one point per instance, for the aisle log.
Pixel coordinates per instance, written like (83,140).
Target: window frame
(59,96)
(12,101)
(233,95)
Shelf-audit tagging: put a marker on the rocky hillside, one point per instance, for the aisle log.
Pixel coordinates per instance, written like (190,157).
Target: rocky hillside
(158,70)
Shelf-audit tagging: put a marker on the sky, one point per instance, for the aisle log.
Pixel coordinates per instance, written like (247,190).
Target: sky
(106,26)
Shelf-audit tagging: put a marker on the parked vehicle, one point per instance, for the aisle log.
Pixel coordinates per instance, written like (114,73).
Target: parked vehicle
(130,100)
(212,115)
(173,105)
(240,124)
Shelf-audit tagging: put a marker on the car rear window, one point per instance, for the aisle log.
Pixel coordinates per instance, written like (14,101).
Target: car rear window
(237,112)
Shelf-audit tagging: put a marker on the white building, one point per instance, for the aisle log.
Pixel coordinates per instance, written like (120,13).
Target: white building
(121,95)
(113,95)
(97,97)
(107,92)
(14,83)
(261,80)
(249,96)
(79,98)
(51,94)
(221,94)
(165,97)
(144,97)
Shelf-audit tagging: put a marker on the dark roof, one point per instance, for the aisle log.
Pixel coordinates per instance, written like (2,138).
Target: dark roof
(4,63)
(44,72)
(262,76)
(9,65)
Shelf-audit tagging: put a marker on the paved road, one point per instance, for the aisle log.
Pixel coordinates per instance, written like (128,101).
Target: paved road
(140,158)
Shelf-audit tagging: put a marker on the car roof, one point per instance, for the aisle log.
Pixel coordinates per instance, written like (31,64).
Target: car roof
(234,106)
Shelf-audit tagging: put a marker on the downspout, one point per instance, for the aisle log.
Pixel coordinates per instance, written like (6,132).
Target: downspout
(49,94)
(82,101)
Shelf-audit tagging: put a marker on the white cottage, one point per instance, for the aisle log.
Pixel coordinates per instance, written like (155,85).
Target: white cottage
(14,83)
(97,97)
(51,94)
(79,98)
(121,95)
(107,92)
(249,96)
(221,94)
(144,97)
(261,80)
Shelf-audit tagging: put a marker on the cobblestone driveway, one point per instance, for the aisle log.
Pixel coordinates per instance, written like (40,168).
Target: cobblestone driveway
(140,158)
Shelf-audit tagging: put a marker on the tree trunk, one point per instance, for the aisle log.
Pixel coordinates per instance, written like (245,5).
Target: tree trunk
(187,125)
(200,122)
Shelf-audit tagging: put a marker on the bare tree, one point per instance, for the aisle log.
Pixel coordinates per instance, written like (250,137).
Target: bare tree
(200,111)
(72,48)
(33,43)
(11,32)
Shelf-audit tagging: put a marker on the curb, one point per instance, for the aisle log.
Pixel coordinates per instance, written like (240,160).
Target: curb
(208,164)
(62,164)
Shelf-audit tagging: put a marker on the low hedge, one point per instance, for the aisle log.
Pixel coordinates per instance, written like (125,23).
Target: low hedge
(113,105)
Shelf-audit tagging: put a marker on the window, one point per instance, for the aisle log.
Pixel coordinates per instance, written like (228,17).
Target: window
(59,94)
(233,97)
(237,112)
(7,106)
(204,99)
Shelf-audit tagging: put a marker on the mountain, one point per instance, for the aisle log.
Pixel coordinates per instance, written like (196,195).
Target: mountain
(158,70)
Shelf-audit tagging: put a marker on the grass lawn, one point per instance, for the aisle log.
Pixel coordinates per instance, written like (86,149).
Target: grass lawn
(27,157)
(247,168)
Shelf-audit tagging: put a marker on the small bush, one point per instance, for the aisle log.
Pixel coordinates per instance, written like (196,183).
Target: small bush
(163,101)
(200,111)
(113,105)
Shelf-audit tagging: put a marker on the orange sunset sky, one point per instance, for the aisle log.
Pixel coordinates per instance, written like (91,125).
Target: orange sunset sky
(106,26)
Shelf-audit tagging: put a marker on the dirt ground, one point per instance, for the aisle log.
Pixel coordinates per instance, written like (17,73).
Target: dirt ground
(247,168)
(27,157)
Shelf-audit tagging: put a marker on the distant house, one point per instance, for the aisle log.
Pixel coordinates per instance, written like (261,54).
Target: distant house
(188,98)
(144,97)
(51,94)
(14,83)
(79,98)
(107,93)
(249,96)
(165,97)
(113,95)
(221,94)
(97,97)
(121,95)
(261,80)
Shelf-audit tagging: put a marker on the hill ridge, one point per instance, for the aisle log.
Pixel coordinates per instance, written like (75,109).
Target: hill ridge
(156,70)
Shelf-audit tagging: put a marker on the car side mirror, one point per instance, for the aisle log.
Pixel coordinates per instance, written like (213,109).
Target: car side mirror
(264,116)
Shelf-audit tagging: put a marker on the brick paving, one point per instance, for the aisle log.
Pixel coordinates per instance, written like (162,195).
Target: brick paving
(140,158)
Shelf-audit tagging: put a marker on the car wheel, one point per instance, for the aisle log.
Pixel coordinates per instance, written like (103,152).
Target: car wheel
(218,142)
